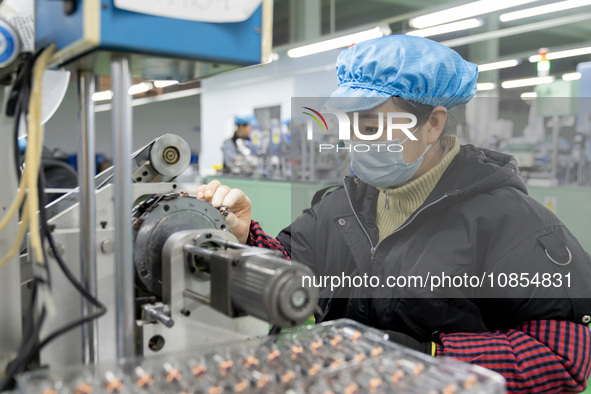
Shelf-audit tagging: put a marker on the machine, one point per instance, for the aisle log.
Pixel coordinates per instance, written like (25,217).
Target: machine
(193,280)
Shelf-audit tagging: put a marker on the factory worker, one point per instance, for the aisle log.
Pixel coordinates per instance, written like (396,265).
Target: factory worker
(437,207)
(239,152)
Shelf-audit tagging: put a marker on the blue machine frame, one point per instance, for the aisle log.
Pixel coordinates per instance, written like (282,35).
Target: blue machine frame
(98,26)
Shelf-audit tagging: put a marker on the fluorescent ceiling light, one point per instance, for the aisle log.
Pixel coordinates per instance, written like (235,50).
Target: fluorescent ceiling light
(544,9)
(529,95)
(571,76)
(519,29)
(469,10)
(163,84)
(338,42)
(486,86)
(518,83)
(498,65)
(447,28)
(140,88)
(562,54)
(102,96)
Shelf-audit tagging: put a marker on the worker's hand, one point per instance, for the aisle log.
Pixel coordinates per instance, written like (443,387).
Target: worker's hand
(235,200)
(408,341)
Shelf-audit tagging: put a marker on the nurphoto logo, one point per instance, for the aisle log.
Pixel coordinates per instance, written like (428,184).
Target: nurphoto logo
(344,129)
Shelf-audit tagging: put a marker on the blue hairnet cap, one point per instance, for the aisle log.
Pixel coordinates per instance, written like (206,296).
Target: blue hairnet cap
(413,68)
(243,119)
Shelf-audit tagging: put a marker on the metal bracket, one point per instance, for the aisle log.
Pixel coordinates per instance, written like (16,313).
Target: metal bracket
(158,312)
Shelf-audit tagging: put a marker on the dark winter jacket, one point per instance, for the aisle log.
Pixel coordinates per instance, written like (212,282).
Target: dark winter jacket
(478,220)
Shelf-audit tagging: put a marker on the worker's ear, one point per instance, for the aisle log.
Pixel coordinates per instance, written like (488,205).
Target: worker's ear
(436,123)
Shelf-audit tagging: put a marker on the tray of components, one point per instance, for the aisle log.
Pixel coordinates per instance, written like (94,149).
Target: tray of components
(341,356)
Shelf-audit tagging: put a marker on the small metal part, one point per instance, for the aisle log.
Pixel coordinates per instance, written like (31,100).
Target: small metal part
(199,370)
(411,367)
(315,346)
(273,355)
(470,382)
(336,341)
(112,383)
(158,312)
(251,362)
(352,388)
(171,373)
(143,379)
(376,351)
(107,246)
(288,376)
(215,390)
(60,250)
(241,386)
(171,155)
(83,388)
(352,334)
(260,379)
(397,376)
(375,384)
(224,364)
(296,351)
(224,211)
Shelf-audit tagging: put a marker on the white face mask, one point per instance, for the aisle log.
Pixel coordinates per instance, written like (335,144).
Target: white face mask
(383,168)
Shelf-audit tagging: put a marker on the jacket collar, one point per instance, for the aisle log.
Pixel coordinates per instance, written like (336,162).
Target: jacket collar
(473,170)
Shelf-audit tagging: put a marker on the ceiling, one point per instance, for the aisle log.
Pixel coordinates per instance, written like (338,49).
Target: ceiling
(351,14)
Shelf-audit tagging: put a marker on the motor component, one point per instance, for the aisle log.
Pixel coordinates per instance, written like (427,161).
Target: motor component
(148,165)
(155,219)
(252,281)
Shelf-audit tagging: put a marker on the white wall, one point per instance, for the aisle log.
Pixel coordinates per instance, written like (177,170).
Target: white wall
(241,91)
(178,116)
(212,113)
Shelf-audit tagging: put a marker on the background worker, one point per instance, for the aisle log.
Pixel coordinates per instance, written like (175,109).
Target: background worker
(239,151)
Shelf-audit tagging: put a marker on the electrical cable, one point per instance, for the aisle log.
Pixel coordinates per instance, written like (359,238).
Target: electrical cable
(274,330)
(18,101)
(101,309)
(35,215)
(31,329)
(33,348)
(36,129)
(32,159)
(34,121)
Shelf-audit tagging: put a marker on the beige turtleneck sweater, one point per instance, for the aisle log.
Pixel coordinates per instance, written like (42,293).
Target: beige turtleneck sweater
(395,205)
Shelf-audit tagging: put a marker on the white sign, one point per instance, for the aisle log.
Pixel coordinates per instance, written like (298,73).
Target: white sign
(216,11)
(19,14)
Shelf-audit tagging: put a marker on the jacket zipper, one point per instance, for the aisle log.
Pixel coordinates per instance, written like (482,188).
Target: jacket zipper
(373,248)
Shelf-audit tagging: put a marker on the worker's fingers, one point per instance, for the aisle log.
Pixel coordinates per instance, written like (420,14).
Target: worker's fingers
(234,196)
(200,193)
(219,195)
(231,220)
(207,191)
(212,188)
